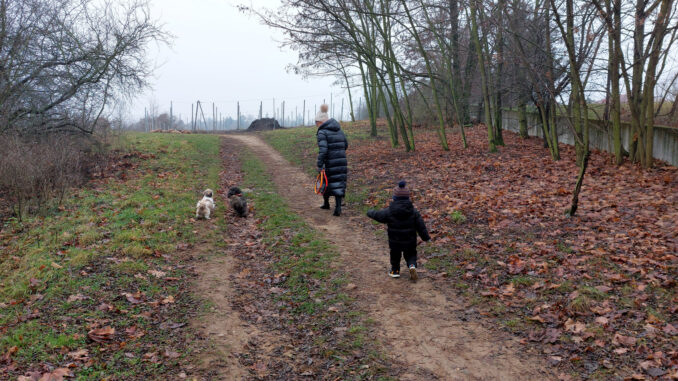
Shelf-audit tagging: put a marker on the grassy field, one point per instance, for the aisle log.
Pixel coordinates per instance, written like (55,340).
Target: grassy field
(99,283)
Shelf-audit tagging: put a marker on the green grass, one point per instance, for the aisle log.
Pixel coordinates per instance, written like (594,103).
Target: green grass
(299,145)
(313,284)
(99,245)
(523,280)
(457,217)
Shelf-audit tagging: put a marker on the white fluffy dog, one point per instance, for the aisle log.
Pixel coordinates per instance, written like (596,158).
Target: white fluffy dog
(205,206)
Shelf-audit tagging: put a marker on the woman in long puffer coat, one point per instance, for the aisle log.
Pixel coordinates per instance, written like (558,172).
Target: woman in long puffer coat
(332,145)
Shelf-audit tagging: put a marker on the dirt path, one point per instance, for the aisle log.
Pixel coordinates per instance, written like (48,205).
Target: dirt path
(419,325)
(227,337)
(234,347)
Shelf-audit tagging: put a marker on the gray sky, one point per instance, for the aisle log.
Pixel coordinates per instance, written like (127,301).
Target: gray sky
(224,56)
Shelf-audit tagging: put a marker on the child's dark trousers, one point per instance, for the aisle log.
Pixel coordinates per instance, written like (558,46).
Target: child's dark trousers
(397,252)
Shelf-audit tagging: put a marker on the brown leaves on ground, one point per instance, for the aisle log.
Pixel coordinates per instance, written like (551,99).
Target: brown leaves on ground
(56,375)
(583,287)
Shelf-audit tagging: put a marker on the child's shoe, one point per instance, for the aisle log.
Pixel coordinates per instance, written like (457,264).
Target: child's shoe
(413,273)
(394,274)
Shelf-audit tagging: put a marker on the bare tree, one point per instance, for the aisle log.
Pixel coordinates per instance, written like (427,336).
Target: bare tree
(63,61)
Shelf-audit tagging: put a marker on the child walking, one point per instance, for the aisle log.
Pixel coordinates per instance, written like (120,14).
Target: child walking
(404,223)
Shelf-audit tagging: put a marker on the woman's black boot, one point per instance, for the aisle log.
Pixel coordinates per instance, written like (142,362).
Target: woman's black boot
(326,202)
(337,207)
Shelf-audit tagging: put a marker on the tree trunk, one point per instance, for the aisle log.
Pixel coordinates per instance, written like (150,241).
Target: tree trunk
(483,77)
(498,136)
(614,101)
(574,205)
(522,118)
(369,104)
(553,128)
(391,127)
(552,104)
(456,71)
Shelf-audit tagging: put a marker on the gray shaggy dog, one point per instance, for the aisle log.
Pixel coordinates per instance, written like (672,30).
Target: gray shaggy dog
(237,201)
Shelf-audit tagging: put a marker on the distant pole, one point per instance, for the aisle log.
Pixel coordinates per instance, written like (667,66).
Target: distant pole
(171,114)
(238,115)
(303,114)
(341,116)
(214,117)
(261,109)
(202,113)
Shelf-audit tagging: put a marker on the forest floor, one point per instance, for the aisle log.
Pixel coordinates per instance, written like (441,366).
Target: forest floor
(121,282)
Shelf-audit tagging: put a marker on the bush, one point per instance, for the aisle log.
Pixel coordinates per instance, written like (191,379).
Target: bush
(35,170)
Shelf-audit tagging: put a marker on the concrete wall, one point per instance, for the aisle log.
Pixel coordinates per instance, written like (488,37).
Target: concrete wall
(665,138)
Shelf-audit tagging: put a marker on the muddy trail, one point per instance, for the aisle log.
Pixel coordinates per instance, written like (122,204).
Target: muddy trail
(424,327)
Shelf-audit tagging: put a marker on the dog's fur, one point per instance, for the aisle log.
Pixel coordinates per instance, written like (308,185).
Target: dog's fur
(205,206)
(237,201)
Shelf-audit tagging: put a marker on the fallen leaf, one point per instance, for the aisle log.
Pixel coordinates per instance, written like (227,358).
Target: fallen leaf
(602,320)
(171,354)
(552,335)
(134,332)
(8,354)
(157,273)
(76,297)
(101,334)
(56,375)
(573,326)
(79,355)
(669,329)
(135,298)
(620,339)
(656,372)
(603,289)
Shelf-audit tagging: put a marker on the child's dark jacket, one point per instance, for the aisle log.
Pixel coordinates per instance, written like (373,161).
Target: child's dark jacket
(404,223)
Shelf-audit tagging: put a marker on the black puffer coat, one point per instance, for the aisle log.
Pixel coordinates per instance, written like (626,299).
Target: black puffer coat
(332,145)
(404,223)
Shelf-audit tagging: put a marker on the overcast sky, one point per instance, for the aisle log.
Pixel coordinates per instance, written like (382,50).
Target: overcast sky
(223,56)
